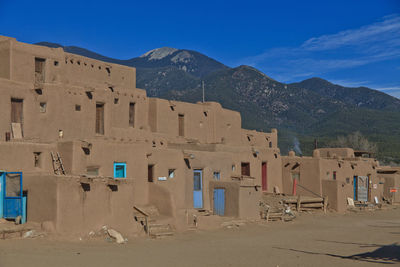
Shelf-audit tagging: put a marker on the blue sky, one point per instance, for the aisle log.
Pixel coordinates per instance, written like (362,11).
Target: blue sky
(352,43)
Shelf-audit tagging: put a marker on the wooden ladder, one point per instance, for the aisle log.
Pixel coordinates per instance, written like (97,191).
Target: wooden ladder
(58,166)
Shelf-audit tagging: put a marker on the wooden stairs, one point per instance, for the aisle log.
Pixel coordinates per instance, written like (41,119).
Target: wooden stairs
(152,222)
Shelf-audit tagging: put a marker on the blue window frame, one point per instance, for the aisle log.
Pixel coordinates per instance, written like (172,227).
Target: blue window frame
(119,170)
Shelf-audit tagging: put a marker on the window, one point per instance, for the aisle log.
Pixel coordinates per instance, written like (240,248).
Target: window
(181,126)
(150,173)
(119,170)
(245,168)
(92,171)
(55,63)
(171,173)
(99,118)
(131,114)
(42,107)
(37,161)
(77,107)
(334,175)
(217,176)
(233,167)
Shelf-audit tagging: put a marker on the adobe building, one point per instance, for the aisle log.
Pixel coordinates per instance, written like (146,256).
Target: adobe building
(338,173)
(390,178)
(120,149)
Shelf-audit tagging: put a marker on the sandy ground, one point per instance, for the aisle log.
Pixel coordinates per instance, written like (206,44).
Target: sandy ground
(354,239)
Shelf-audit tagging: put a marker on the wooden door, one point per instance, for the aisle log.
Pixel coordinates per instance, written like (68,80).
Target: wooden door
(264,176)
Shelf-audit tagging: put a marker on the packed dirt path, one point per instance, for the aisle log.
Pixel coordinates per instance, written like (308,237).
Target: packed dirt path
(354,239)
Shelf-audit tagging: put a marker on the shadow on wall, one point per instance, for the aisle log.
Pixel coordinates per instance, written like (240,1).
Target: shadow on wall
(384,254)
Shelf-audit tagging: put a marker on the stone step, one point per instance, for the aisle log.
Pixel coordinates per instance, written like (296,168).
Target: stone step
(162,234)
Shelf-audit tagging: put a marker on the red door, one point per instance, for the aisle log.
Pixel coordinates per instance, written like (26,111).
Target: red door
(264,176)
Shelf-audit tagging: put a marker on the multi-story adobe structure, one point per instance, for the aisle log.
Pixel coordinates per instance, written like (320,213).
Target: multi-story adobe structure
(338,173)
(119,148)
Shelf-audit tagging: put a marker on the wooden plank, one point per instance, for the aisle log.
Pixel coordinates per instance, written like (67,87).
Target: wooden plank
(16,130)
(298,206)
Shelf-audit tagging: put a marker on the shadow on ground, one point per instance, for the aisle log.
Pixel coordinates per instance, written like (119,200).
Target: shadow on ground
(385,254)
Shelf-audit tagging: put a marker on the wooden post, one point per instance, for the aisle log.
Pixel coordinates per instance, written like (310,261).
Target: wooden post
(325,203)
(298,204)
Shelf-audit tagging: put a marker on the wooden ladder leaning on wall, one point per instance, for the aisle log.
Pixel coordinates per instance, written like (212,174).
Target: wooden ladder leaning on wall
(58,166)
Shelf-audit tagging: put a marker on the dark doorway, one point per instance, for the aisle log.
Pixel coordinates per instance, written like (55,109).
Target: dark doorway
(39,70)
(99,118)
(131,114)
(264,176)
(150,173)
(181,121)
(17,117)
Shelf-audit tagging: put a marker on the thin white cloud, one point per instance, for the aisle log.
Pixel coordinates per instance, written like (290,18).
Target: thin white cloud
(385,29)
(377,42)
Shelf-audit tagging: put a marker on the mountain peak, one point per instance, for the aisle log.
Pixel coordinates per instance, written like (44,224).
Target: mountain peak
(159,53)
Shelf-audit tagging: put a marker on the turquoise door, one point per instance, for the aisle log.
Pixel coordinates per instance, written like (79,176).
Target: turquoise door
(198,189)
(12,195)
(219,201)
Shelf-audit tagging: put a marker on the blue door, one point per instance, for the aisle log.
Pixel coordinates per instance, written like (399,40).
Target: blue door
(12,195)
(198,189)
(355,187)
(219,201)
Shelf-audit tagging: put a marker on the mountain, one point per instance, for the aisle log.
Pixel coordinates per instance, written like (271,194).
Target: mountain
(357,96)
(313,108)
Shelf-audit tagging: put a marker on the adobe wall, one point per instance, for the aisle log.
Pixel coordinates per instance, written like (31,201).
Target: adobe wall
(81,211)
(203,122)
(309,183)
(390,180)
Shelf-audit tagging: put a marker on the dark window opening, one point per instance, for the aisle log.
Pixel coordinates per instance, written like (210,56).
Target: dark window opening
(248,138)
(99,67)
(72,61)
(86,150)
(37,159)
(85,187)
(79,63)
(276,155)
(113,187)
(77,107)
(217,176)
(270,144)
(55,63)
(99,118)
(116,100)
(131,114)
(172,108)
(89,94)
(111,88)
(347,180)
(150,173)
(181,124)
(334,175)
(38,91)
(205,113)
(108,71)
(245,168)
(171,173)
(42,107)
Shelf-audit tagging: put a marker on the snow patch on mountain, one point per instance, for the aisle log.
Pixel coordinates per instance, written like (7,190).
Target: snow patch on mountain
(159,53)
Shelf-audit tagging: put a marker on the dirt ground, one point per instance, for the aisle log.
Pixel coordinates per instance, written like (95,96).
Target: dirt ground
(354,239)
